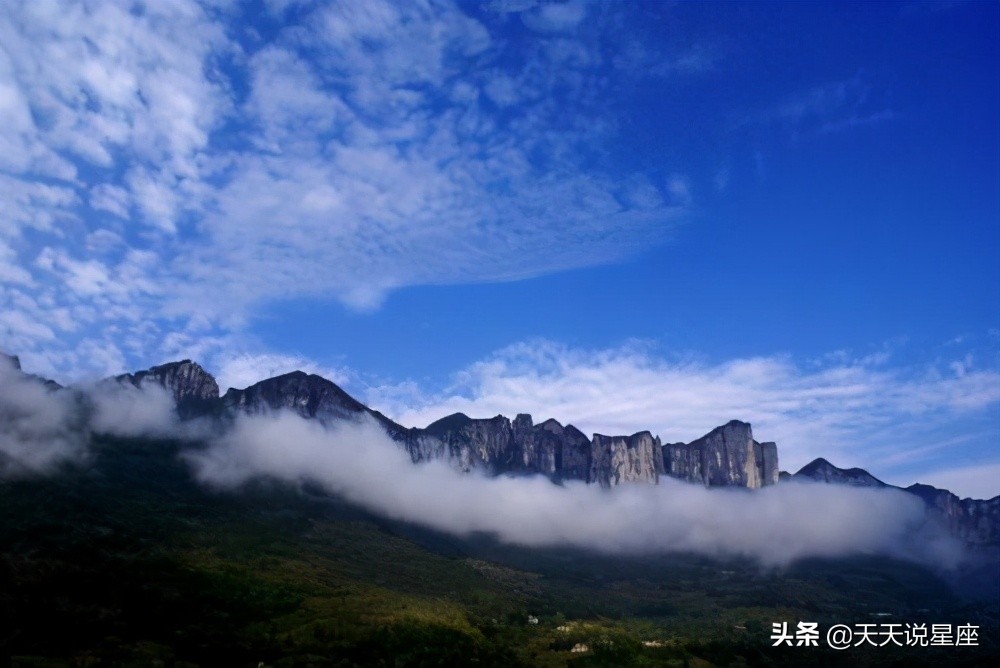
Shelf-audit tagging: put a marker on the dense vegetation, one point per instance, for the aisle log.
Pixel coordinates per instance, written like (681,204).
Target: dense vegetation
(127,561)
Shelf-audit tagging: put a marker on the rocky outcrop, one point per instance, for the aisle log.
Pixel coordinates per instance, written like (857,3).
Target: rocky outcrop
(573,450)
(766,454)
(540,449)
(13,363)
(727,456)
(975,522)
(185,380)
(683,461)
(481,444)
(620,459)
(194,390)
(498,445)
(821,470)
(307,395)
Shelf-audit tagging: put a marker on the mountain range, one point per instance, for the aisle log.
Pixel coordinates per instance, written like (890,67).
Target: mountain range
(727,456)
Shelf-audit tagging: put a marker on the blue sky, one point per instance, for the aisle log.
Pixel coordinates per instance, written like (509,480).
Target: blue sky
(624,215)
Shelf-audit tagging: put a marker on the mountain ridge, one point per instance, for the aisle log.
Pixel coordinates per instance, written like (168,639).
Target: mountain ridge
(727,456)
(974,521)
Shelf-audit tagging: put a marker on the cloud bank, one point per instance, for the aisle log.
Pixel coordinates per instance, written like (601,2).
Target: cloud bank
(774,525)
(42,428)
(38,428)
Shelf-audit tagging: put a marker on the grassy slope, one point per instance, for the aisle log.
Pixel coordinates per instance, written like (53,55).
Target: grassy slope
(127,561)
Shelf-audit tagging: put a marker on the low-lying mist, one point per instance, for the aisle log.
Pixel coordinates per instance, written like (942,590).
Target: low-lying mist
(41,428)
(775,525)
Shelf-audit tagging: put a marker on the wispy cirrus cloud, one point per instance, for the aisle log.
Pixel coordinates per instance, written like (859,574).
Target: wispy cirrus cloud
(829,107)
(167,169)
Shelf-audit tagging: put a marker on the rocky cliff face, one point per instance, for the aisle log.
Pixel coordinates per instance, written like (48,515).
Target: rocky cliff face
(540,449)
(620,459)
(727,456)
(194,390)
(976,522)
(482,444)
(766,454)
(497,445)
(185,380)
(573,450)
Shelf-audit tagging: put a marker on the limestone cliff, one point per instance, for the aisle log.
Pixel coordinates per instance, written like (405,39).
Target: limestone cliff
(620,459)
(727,456)
(185,380)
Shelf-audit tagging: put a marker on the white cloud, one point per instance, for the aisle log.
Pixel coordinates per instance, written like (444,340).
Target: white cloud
(558,16)
(349,155)
(33,205)
(10,272)
(39,429)
(42,428)
(125,410)
(774,525)
(110,198)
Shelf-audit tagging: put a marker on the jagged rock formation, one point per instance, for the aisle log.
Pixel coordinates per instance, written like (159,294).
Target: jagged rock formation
(540,450)
(194,390)
(975,522)
(497,445)
(482,444)
(184,380)
(726,456)
(821,470)
(574,451)
(619,459)
(14,362)
(308,395)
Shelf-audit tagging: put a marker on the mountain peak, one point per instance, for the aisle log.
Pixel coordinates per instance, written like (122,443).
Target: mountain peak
(452,422)
(185,380)
(309,395)
(727,456)
(12,360)
(822,470)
